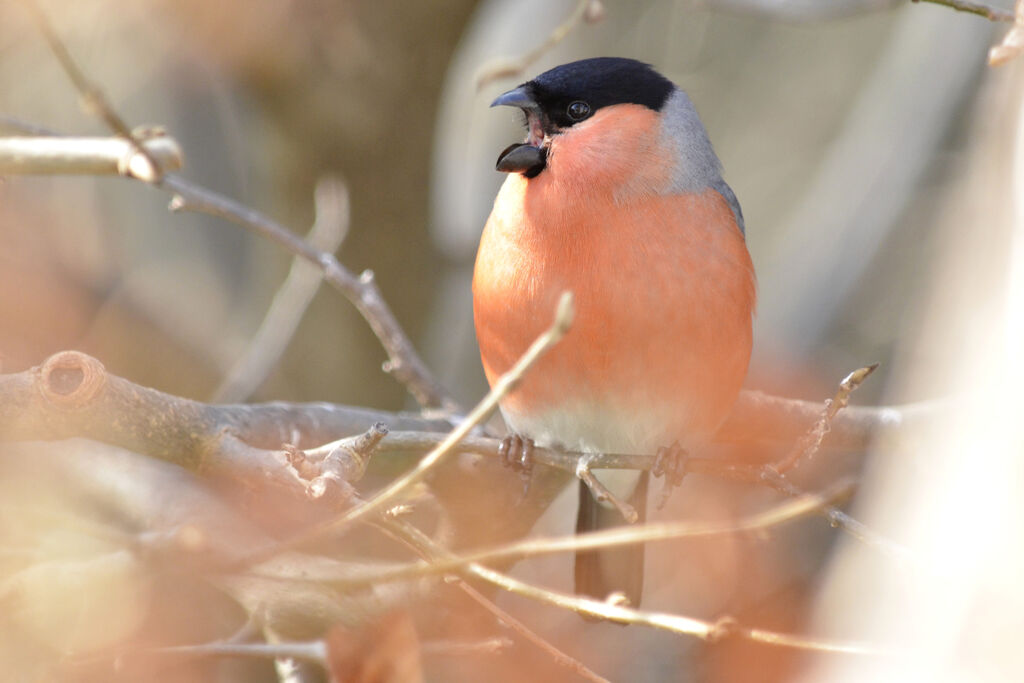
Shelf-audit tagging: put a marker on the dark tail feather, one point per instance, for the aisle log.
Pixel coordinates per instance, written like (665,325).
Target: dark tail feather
(600,572)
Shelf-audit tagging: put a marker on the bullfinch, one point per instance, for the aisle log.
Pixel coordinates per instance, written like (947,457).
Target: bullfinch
(617,196)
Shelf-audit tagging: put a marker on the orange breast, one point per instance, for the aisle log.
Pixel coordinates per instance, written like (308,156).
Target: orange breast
(664,292)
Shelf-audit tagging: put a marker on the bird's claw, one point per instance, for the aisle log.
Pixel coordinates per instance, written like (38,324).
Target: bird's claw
(670,463)
(516,453)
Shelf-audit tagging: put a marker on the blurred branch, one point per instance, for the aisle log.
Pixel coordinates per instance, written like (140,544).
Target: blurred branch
(403,361)
(705,630)
(316,650)
(797,508)
(292,299)
(1012,43)
(817,10)
(800,10)
(836,517)
(93,100)
(519,627)
(591,11)
(85,156)
(503,617)
(19,127)
(981,9)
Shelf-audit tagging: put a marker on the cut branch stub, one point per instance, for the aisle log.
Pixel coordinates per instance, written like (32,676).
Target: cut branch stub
(70,379)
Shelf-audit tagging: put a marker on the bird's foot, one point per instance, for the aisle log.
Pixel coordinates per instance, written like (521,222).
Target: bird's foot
(671,463)
(516,452)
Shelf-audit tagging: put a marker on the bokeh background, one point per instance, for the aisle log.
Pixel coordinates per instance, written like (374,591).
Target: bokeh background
(876,158)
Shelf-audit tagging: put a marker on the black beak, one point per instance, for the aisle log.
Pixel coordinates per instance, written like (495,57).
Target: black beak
(520,158)
(518,97)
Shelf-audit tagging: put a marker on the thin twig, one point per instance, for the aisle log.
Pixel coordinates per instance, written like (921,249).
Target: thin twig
(808,446)
(16,125)
(510,67)
(839,519)
(682,625)
(978,8)
(1012,44)
(403,361)
(792,510)
(292,299)
(601,493)
(430,551)
(93,100)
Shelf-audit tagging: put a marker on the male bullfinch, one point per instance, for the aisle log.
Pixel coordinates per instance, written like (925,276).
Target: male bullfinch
(617,196)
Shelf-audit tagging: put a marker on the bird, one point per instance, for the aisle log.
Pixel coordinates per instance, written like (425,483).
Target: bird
(617,196)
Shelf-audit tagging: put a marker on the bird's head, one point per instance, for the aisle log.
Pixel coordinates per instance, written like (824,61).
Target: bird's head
(567,97)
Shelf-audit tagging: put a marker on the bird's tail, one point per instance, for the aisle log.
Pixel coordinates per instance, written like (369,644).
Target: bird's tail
(600,572)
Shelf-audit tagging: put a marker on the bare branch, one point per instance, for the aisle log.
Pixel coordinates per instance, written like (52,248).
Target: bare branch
(19,127)
(978,8)
(682,625)
(816,10)
(85,156)
(503,617)
(838,518)
(591,11)
(600,491)
(403,361)
(811,442)
(292,299)
(71,394)
(93,100)
(792,510)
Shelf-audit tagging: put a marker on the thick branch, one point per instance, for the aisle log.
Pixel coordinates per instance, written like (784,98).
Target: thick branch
(72,394)
(84,156)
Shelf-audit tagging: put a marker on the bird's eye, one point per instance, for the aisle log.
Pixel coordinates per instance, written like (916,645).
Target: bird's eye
(578,110)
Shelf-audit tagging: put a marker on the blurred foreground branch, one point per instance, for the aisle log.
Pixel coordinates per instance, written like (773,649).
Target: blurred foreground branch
(716,631)
(292,299)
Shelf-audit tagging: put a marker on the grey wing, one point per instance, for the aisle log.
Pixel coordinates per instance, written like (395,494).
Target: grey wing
(723,189)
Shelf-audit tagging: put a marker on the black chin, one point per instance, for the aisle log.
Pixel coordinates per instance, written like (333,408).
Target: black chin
(522,158)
